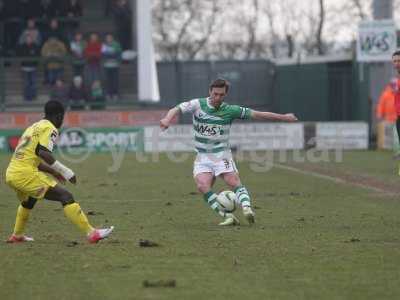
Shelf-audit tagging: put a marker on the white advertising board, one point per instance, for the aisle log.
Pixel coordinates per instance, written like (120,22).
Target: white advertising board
(247,137)
(176,138)
(341,135)
(267,136)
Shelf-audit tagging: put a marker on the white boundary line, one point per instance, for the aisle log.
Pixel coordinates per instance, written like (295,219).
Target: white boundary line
(333,179)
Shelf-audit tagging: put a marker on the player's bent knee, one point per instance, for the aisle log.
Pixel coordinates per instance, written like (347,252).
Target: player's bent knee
(68,202)
(204,183)
(234,184)
(29,204)
(203,187)
(232,181)
(66,198)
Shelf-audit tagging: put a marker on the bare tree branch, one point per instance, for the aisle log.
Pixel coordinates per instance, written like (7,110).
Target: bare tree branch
(360,9)
(270,16)
(231,29)
(251,30)
(184,28)
(319,41)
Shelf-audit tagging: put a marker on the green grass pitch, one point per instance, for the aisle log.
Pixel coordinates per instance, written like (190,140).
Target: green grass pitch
(313,238)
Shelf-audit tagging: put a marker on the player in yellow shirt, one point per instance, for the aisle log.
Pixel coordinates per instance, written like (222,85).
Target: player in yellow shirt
(26,174)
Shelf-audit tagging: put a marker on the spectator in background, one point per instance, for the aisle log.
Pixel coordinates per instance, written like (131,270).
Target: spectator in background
(59,92)
(123,22)
(111,51)
(77,47)
(92,56)
(29,49)
(54,31)
(385,109)
(47,9)
(72,10)
(32,31)
(77,94)
(96,96)
(53,52)
(61,8)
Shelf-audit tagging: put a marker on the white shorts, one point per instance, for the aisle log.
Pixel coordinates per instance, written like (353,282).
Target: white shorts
(216,165)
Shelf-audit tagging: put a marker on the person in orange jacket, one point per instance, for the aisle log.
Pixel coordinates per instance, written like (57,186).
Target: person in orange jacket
(385,109)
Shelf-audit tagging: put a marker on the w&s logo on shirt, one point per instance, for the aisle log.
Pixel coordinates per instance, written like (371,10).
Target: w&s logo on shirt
(208,130)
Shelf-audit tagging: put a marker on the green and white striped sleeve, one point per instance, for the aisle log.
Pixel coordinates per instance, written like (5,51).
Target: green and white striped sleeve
(189,106)
(240,112)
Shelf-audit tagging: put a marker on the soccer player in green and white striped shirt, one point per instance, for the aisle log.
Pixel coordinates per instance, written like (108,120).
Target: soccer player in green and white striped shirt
(212,119)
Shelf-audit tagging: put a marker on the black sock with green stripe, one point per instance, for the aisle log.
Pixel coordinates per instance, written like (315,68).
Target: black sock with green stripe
(211,199)
(242,196)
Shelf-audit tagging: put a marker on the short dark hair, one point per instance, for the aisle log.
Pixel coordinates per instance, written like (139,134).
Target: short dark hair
(396,53)
(220,83)
(52,108)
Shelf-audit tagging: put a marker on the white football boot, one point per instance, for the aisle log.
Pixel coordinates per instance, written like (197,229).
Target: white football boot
(230,220)
(249,214)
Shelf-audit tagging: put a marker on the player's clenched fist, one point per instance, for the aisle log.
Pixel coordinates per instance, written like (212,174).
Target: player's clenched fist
(73,180)
(290,118)
(164,124)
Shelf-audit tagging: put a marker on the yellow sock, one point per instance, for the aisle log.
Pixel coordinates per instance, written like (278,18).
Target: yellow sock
(75,214)
(21,219)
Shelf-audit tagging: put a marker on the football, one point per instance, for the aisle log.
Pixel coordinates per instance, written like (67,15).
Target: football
(227,201)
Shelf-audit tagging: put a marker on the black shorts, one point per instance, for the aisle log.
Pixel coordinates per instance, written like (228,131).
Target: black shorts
(398,127)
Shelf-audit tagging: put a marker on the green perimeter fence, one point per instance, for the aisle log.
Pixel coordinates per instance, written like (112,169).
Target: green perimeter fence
(334,91)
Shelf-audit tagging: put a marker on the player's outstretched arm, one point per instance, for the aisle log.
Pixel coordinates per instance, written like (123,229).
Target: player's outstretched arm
(265,115)
(55,165)
(166,121)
